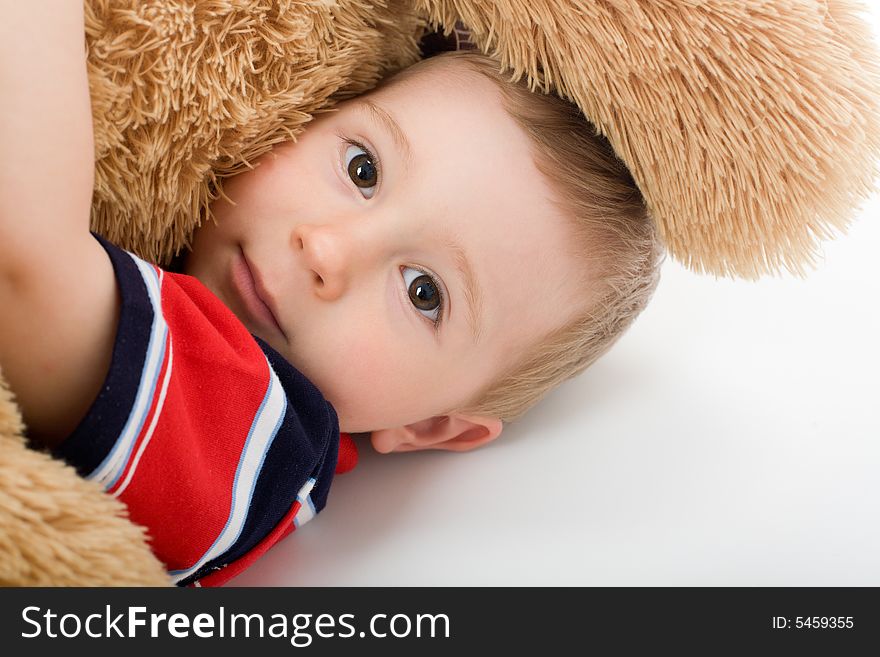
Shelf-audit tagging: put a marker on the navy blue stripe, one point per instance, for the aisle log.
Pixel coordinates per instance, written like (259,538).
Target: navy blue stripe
(313,419)
(306,445)
(98,431)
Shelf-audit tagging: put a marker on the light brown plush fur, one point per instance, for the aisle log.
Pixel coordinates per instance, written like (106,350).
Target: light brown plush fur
(752,129)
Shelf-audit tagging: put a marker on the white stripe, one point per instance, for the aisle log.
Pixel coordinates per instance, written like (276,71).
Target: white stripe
(307,507)
(262,433)
(152,427)
(109,471)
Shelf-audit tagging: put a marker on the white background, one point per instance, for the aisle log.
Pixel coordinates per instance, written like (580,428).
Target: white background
(732,437)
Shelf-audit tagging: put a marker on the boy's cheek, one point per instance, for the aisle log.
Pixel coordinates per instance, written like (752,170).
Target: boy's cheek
(362,384)
(362,366)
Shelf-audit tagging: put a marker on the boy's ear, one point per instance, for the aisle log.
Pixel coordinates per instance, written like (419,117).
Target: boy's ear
(455,432)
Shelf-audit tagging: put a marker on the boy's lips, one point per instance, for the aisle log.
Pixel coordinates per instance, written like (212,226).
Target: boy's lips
(247,283)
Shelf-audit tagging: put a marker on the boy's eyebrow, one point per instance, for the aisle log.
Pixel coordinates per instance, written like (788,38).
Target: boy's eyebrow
(473,293)
(381,116)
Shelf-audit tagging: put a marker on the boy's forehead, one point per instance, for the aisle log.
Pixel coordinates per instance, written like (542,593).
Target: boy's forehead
(437,78)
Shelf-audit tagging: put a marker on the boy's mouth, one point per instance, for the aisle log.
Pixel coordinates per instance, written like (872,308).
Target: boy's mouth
(248,285)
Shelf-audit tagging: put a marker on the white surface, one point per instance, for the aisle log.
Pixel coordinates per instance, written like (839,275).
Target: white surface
(731,438)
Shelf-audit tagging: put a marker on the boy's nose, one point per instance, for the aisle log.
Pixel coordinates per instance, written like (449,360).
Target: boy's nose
(326,251)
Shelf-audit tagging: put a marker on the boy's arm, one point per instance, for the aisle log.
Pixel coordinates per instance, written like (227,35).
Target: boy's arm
(58,299)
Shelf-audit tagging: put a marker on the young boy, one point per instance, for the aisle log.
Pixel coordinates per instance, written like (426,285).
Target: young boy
(423,264)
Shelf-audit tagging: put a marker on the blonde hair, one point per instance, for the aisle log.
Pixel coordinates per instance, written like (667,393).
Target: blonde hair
(621,251)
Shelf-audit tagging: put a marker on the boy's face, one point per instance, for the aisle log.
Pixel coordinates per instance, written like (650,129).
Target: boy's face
(400,287)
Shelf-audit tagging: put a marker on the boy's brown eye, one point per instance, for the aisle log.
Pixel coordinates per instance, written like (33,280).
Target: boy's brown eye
(424,294)
(362,171)
(363,168)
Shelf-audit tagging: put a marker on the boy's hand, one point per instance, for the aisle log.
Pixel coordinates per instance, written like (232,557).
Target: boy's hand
(58,299)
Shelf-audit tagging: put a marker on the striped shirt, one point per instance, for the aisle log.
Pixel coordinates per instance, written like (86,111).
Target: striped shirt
(216,444)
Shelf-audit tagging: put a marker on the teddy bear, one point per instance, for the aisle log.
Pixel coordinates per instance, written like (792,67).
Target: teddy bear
(752,130)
